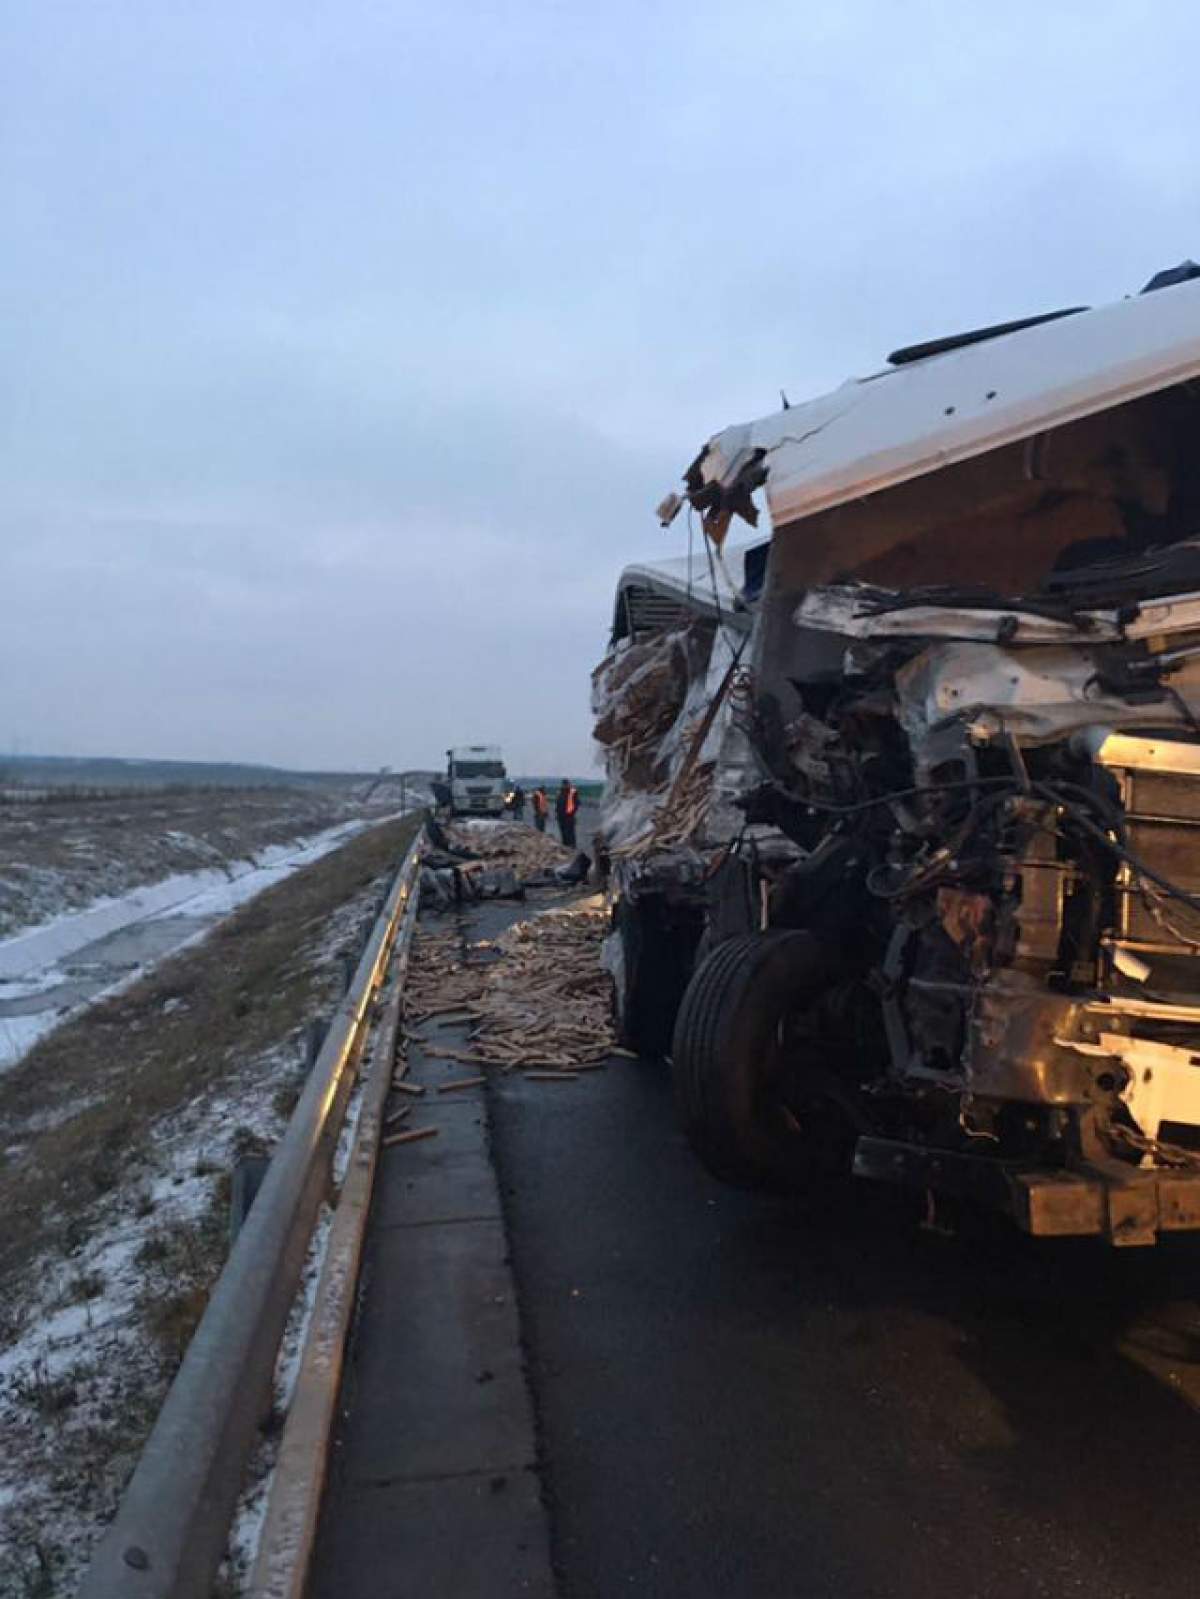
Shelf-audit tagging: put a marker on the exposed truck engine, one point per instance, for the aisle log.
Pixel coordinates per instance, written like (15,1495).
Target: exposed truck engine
(906,846)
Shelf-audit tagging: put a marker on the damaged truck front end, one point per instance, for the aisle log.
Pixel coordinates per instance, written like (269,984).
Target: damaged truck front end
(944,880)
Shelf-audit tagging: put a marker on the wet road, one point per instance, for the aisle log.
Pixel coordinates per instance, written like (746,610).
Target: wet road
(735,1396)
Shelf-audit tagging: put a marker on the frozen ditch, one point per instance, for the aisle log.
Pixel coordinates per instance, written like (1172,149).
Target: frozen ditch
(50,971)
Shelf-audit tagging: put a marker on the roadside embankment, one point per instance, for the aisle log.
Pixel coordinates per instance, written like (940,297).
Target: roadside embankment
(118,1133)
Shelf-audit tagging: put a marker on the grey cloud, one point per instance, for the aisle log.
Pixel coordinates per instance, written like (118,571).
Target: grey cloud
(345,350)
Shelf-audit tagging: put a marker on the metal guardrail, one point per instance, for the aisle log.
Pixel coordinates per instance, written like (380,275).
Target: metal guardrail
(169,1533)
(288,1536)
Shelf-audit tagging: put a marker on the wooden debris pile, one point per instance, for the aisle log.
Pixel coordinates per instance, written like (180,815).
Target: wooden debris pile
(678,819)
(638,691)
(683,802)
(440,981)
(513,844)
(544,1003)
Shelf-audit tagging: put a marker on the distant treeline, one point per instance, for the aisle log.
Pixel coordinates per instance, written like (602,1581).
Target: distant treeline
(80,793)
(111,772)
(587,790)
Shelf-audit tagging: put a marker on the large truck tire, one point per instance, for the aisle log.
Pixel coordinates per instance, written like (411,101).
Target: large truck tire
(655,949)
(729,1060)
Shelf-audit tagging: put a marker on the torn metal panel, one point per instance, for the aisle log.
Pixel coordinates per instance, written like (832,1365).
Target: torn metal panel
(859,611)
(1039,695)
(1015,1045)
(921,417)
(1164,1081)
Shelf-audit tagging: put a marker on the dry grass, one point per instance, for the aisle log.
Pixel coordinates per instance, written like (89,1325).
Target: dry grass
(136,1057)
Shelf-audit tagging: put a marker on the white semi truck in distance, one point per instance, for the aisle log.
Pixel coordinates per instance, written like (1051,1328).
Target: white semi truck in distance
(476,780)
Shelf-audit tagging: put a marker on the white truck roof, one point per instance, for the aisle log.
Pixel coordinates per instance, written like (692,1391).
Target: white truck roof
(652,594)
(914,418)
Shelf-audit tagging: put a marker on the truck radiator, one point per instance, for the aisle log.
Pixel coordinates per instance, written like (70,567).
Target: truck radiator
(1159,784)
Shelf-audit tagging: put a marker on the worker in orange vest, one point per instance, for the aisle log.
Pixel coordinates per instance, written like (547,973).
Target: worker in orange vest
(541,808)
(566,805)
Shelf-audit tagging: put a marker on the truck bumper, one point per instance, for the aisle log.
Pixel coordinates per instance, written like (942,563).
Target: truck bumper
(1125,1205)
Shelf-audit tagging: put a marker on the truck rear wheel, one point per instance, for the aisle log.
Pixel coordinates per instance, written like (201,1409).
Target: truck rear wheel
(749,1111)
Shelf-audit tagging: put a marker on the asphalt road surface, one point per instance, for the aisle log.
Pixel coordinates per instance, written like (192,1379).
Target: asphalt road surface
(736,1396)
(583,1369)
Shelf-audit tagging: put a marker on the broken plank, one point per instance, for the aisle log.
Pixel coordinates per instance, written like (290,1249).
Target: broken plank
(411,1136)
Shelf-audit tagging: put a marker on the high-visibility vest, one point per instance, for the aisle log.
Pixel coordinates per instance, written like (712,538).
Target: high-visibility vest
(571,801)
(540,803)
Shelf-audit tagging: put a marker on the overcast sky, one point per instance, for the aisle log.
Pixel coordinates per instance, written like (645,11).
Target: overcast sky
(345,348)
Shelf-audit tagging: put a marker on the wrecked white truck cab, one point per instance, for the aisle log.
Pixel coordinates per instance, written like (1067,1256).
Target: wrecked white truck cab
(948,932)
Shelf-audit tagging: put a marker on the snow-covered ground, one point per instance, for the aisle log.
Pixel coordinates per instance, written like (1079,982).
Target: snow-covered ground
(60,856)
(82,1369)
(82,1380)
(51,971)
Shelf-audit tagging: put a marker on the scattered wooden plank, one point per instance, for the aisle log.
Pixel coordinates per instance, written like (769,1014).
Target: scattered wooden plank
(411,1136)
(405,1087)
(544,1003)
(460,1082)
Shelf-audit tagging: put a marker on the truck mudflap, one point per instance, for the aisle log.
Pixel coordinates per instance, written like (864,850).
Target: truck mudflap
(1124,1204)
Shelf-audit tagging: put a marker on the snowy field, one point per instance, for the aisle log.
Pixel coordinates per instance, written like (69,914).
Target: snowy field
(51,971)
(60,855)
